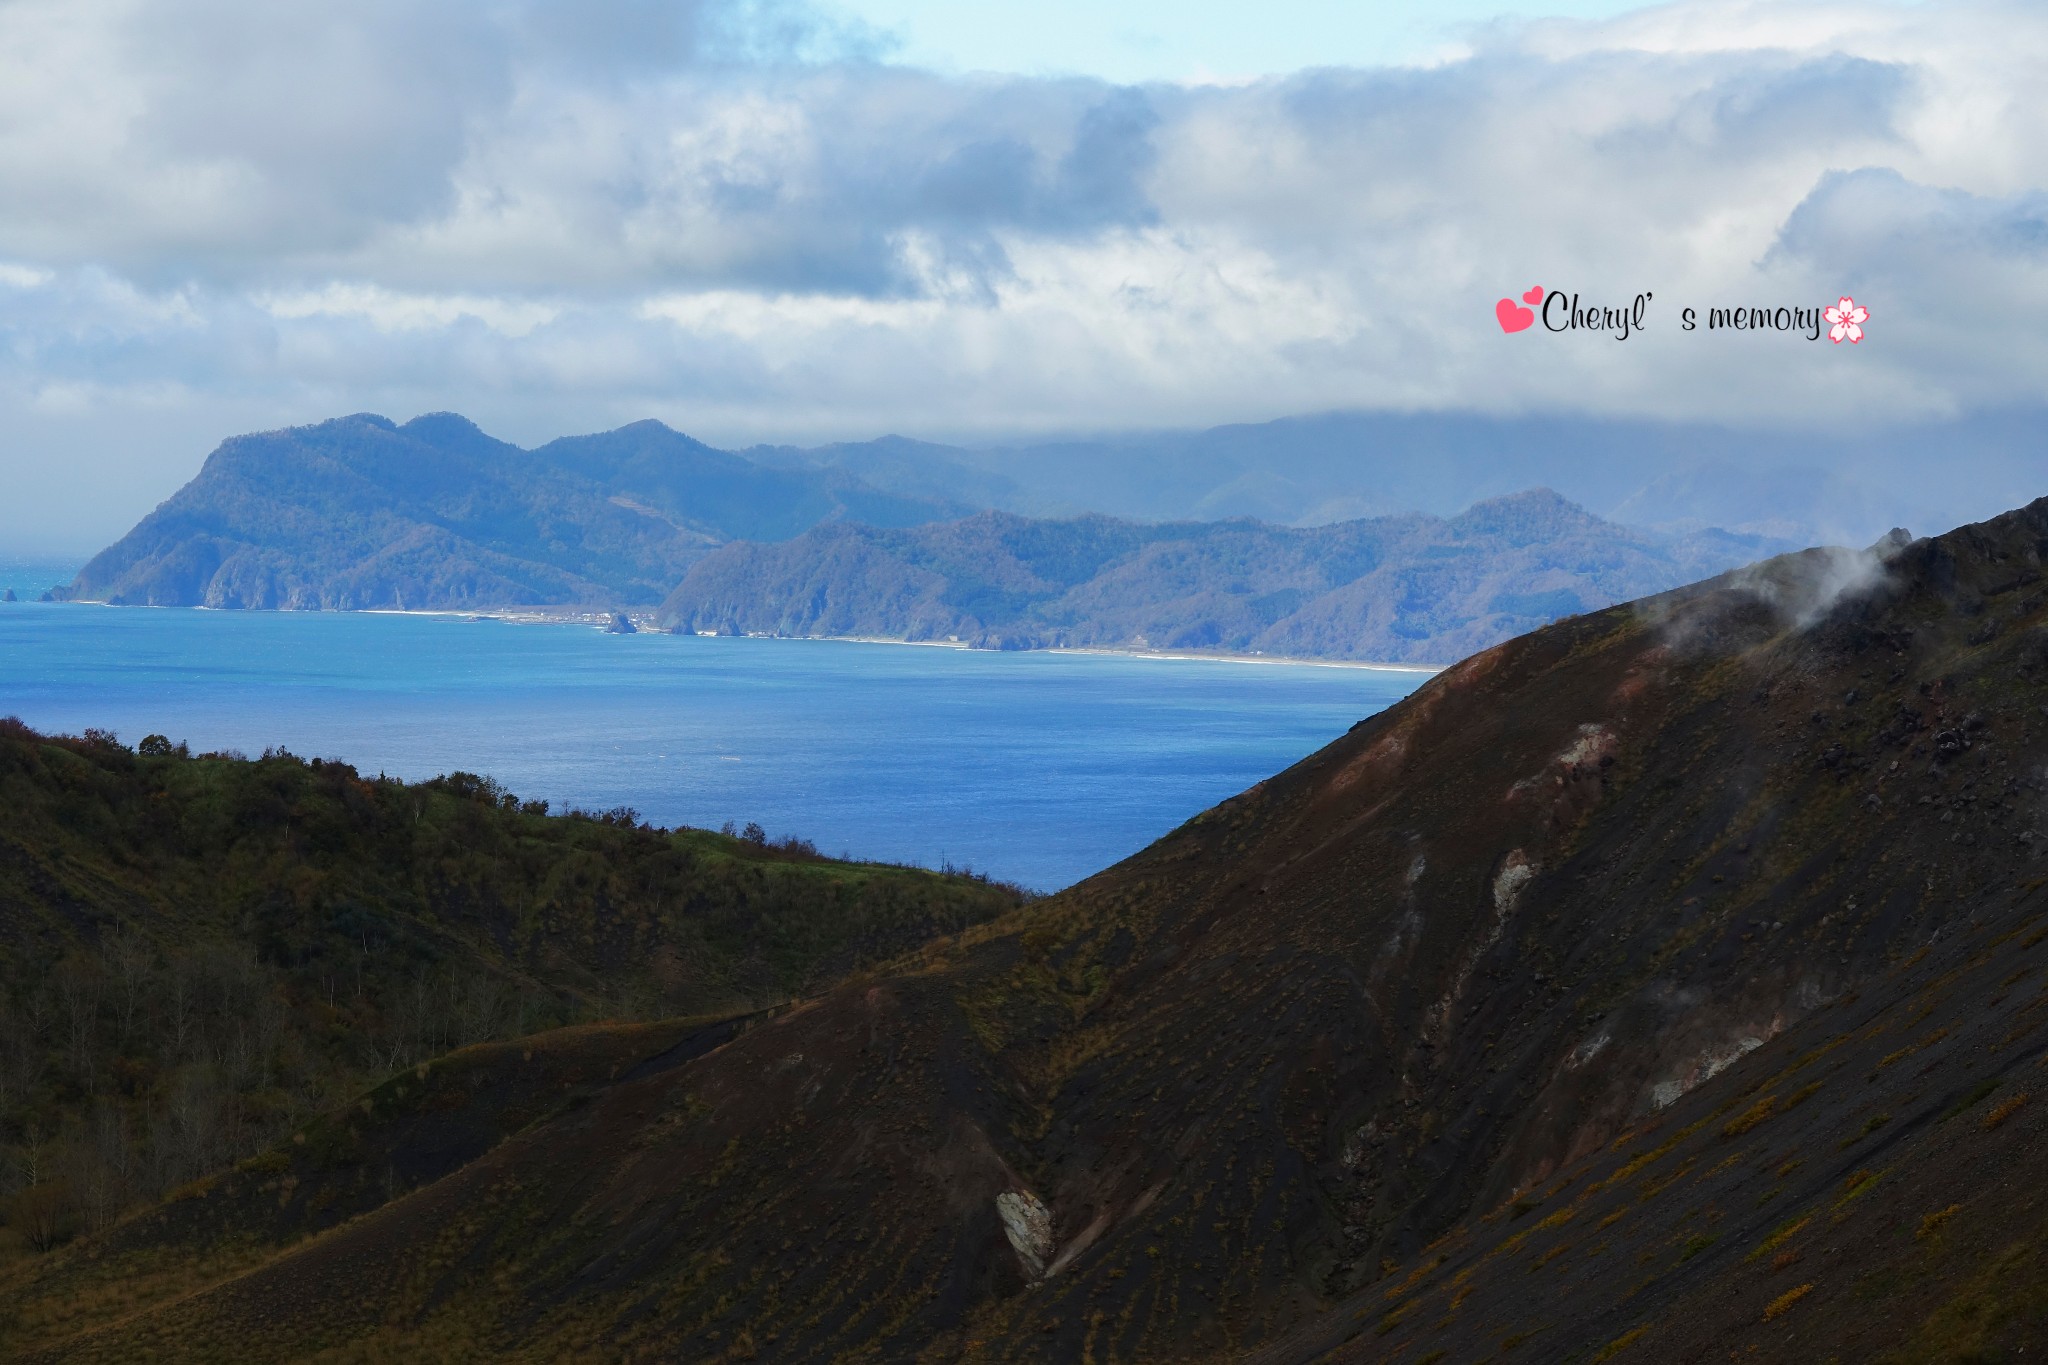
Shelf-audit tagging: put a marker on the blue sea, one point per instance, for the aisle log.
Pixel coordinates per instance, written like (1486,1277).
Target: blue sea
(1034,768)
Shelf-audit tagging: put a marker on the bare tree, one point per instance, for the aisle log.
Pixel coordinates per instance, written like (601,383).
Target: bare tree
(79,988)
(132,963)
(180,1004)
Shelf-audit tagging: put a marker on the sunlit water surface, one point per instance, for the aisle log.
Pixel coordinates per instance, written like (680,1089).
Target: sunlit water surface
(1038,768)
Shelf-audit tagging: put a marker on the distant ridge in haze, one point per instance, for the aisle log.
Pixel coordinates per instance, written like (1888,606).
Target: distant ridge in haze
(868,540)
(360,512)
(1803,487)
(1408,588)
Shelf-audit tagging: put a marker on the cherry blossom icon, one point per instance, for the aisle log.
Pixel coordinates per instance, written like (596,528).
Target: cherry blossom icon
(1847,319)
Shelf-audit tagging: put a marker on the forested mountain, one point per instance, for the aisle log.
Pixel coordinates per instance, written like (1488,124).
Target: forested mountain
(434,514)
(198,954)
(1404,588)
(1666,984)
(360,513)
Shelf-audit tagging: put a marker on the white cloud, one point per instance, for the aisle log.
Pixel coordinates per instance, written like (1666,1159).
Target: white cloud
(392,311)
(732,217)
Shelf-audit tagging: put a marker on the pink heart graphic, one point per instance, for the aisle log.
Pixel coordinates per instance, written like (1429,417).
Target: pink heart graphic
(1513,318)
(1534,296)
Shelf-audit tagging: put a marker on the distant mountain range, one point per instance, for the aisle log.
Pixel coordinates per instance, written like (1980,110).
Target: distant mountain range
(1398,588)
(1843,484)
(363,512)
(360,512)
(892,538)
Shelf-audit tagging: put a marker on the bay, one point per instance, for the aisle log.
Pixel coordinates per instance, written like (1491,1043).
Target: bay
(1038,768)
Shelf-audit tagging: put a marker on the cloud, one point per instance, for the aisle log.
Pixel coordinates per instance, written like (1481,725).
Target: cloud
(1959,278)
(741,217)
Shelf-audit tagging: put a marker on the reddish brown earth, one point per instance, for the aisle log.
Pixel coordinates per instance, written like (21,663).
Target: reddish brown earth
(1665,984)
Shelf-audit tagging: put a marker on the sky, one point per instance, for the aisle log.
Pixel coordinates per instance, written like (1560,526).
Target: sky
(1183,40)
(766,220)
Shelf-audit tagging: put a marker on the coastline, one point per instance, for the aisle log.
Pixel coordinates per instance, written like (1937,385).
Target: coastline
(1287,659)
(595,618)
(1109,651)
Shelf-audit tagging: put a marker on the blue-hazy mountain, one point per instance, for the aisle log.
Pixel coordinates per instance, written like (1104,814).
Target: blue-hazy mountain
(1409,587)
(360,512)
(1848,483)
(869,537)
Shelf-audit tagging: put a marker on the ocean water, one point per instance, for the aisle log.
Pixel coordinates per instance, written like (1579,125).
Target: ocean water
(30,577)
(1036,768)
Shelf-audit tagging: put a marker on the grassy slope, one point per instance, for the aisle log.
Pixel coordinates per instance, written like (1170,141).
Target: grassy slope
(199,954)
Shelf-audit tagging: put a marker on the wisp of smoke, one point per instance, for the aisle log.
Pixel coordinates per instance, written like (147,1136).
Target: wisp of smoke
(1804,587)
(1798,589)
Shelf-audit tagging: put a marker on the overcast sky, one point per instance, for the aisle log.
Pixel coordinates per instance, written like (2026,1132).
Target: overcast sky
(766,221)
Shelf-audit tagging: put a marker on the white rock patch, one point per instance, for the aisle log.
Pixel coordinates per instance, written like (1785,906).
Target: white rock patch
(1028,1225)
(1588,1050)
(1704,1068)
(1507,888)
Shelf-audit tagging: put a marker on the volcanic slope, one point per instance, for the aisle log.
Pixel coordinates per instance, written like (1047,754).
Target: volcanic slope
(1664,983)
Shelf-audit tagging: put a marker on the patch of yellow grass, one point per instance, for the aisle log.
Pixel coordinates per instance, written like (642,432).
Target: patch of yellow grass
(1620,1344)
(1778,1238)
(1781,1305)
(1936,1221)
(1750,1117)
(2005,1110)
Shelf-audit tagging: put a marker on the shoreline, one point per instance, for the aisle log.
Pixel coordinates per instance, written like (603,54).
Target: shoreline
(1111,651)
(592,617)
(1290,660)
